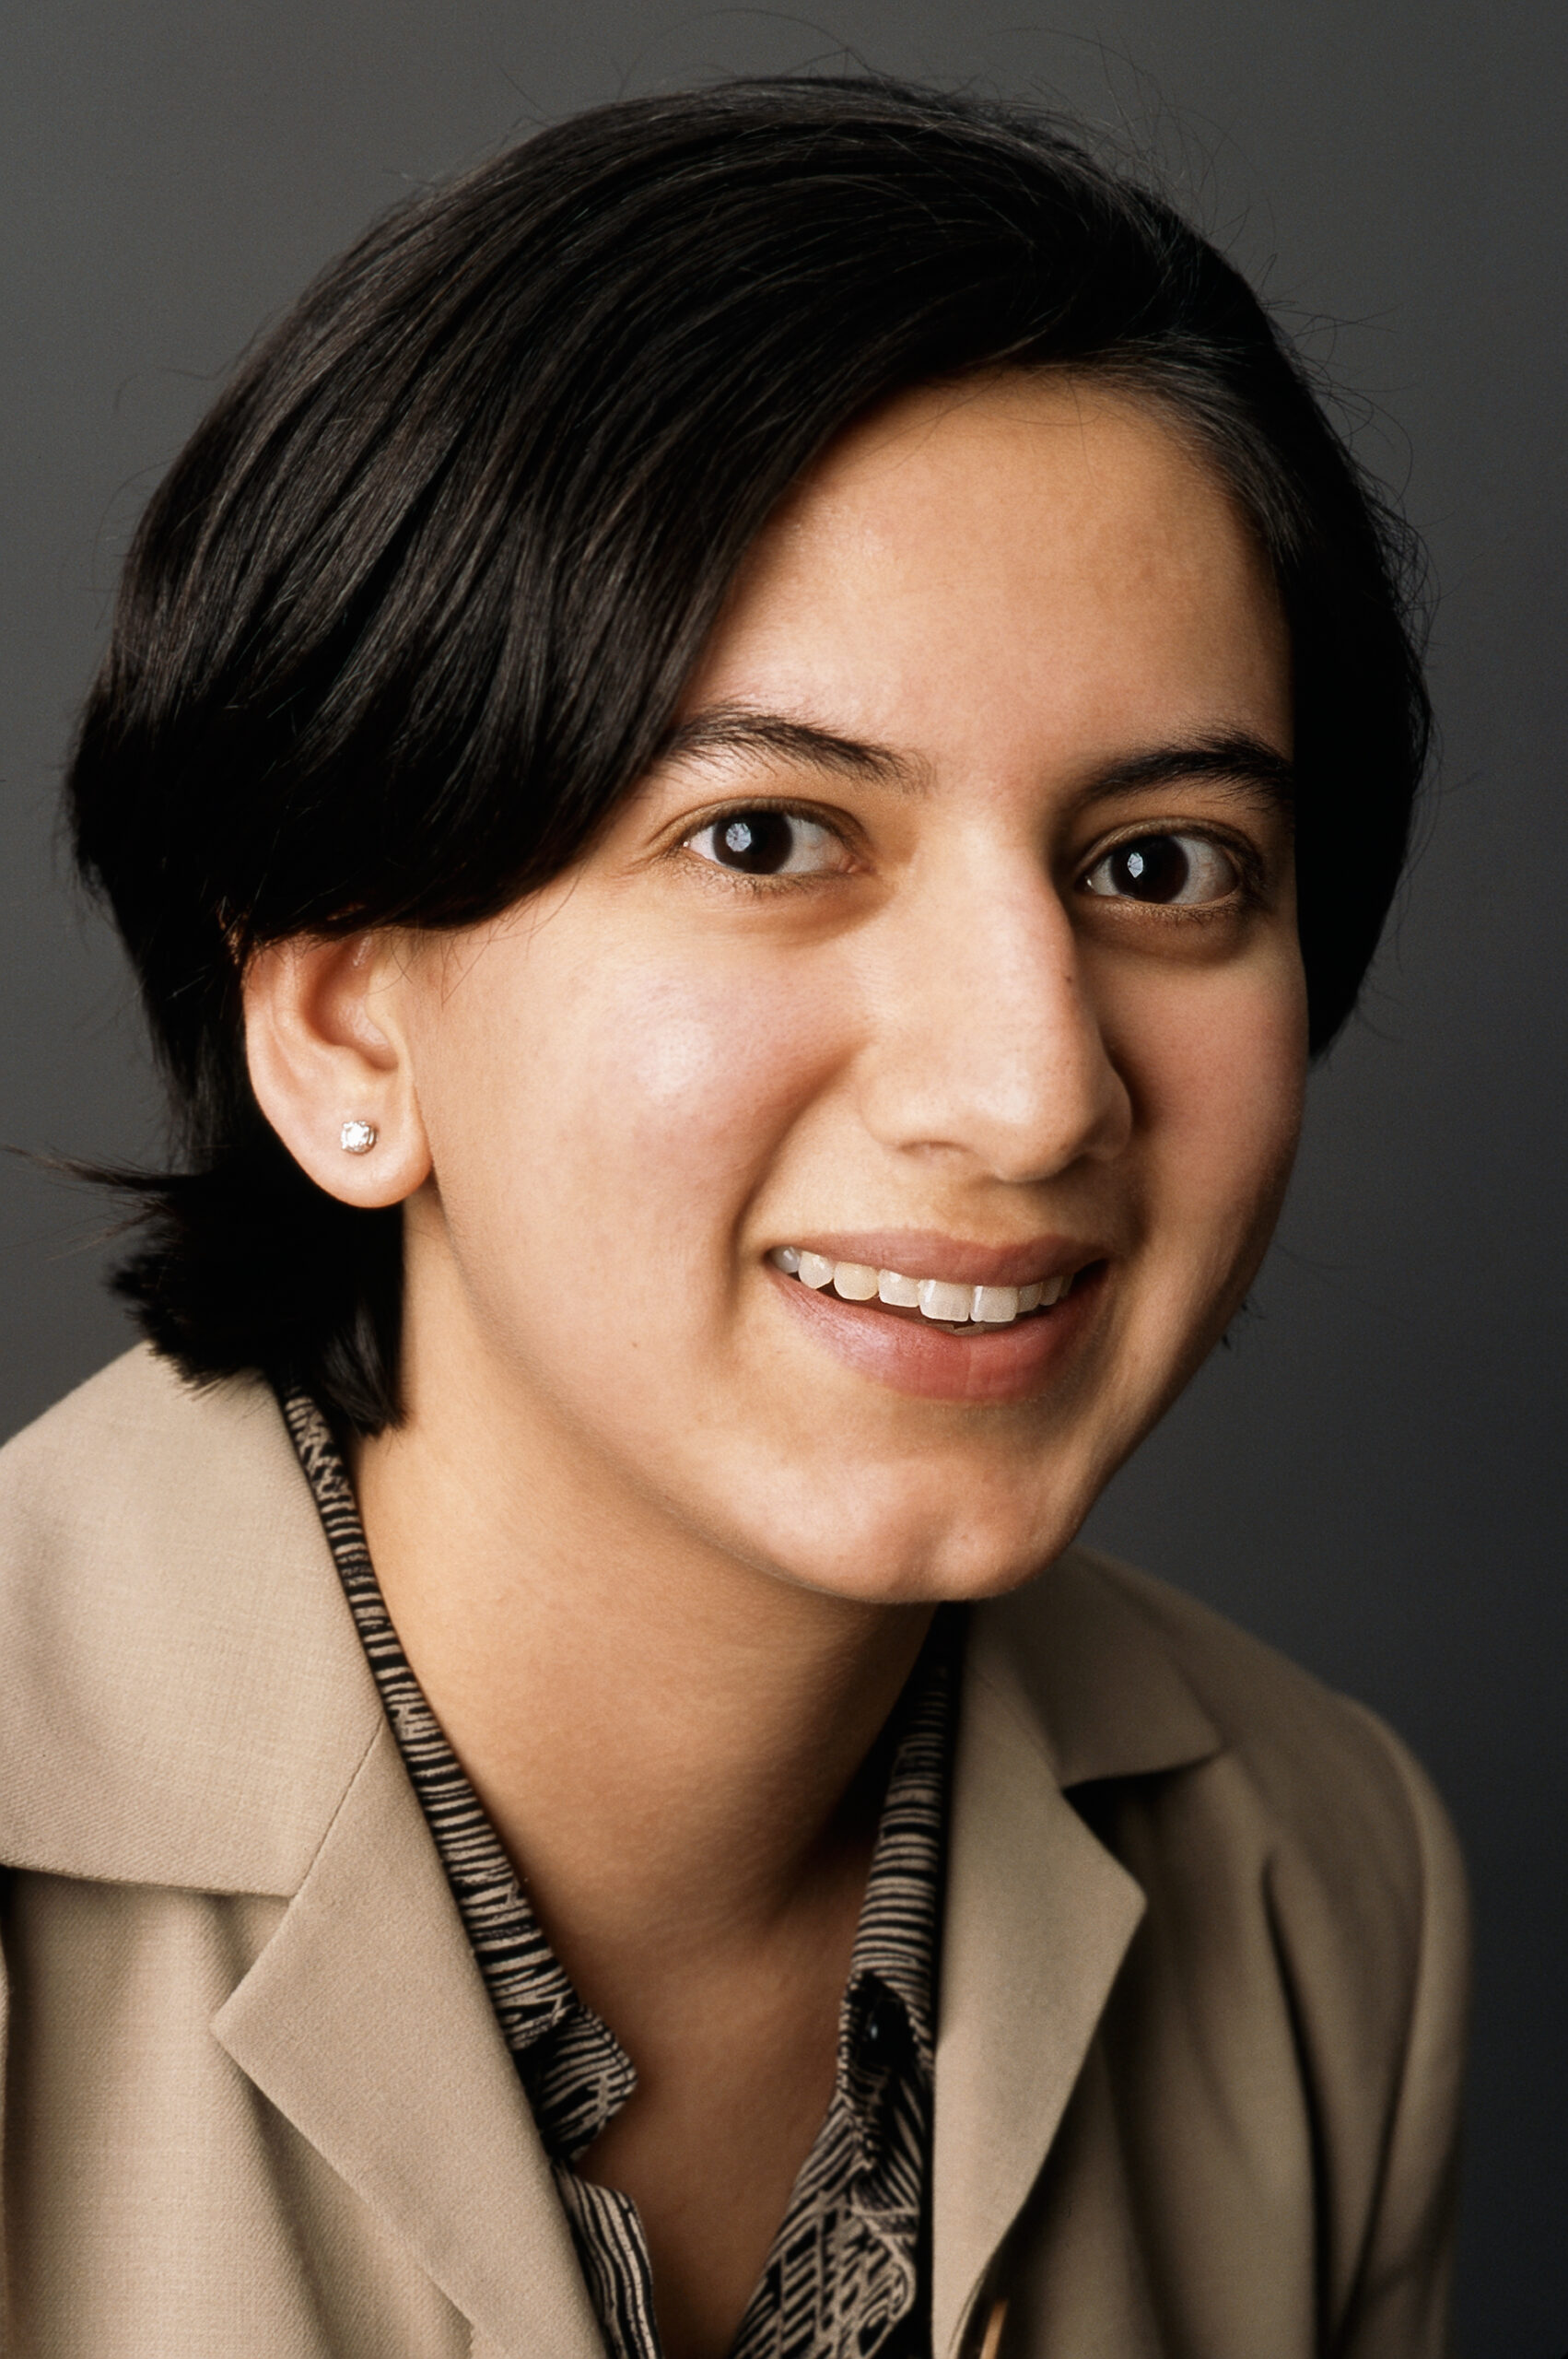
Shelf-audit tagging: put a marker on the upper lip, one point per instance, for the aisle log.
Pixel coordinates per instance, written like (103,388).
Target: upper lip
(927,1253)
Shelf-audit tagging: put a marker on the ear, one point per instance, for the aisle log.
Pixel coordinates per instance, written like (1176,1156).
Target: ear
(325,1048)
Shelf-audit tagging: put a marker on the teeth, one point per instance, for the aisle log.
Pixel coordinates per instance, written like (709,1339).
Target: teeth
(856,1281)
(968,1310)
(940,1301)
(995,1305)
(904,1292)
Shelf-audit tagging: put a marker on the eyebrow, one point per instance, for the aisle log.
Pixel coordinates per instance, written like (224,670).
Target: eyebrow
(1230,758)
(738,729)
(1233,757)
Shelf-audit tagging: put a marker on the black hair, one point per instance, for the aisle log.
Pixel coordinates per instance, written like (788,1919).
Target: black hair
(413,607)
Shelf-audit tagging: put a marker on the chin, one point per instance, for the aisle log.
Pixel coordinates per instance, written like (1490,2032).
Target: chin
(930,1560)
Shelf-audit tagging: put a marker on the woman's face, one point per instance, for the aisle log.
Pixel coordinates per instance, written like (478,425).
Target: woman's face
(953,941)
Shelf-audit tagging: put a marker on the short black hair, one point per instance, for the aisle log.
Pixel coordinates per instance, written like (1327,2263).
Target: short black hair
(415,606)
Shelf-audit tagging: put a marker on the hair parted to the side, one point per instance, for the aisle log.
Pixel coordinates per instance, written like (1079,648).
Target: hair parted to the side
(415,606)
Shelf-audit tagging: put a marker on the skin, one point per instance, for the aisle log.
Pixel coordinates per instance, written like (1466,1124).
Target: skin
(661,1533)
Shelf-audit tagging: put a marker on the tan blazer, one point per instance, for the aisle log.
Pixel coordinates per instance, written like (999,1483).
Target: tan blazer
(1201,1982)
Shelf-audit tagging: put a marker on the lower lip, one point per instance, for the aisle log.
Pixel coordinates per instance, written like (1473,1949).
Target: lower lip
(1013,1364)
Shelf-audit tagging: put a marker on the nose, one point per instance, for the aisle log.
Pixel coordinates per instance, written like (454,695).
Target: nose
(985,1042)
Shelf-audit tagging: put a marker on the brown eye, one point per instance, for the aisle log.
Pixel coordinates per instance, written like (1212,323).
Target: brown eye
(766,842)
(1164,870)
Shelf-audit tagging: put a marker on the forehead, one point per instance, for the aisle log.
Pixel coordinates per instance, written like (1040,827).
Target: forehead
(1032,561)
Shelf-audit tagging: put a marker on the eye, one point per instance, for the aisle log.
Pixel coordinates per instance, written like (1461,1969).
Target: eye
(768,842)
(1168,870)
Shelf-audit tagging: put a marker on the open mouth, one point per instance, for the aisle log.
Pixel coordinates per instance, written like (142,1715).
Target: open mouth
(953,1306)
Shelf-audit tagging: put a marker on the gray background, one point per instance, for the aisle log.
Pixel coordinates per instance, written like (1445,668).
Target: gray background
(1370,1474)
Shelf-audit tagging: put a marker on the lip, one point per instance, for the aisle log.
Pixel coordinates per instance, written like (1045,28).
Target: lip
(1013,1364)
(927,1253)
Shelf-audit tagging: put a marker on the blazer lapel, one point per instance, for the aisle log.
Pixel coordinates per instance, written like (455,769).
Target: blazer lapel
(1037,1918)
(372,2032)
(1064,1683)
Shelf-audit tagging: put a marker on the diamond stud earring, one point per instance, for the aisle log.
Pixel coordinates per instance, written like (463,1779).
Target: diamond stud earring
(357,1138)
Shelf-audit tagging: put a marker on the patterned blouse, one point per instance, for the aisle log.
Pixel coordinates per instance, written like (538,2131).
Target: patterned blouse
(848,2273)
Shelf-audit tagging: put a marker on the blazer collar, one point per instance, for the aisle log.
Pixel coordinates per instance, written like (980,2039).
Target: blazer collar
(184,1701)
(1064,1683)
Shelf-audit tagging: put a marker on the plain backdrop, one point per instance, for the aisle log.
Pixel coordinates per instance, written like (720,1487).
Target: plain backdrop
(1371,1474)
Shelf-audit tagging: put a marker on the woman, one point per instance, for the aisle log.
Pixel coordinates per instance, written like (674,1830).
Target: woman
(740,768)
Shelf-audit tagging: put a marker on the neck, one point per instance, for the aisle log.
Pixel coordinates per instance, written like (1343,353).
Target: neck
(678,1749)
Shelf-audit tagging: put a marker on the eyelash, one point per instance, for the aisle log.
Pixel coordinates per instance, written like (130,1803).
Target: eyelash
(1250,890)
(752,881)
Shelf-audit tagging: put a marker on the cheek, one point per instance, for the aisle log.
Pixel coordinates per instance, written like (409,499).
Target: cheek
(695,1071)
(1218,1071)
(629,1110)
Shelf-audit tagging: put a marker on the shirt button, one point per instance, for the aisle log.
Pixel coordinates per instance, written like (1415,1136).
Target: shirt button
(881,2022)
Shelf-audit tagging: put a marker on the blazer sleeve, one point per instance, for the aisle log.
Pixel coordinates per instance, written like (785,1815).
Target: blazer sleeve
(1401,2299)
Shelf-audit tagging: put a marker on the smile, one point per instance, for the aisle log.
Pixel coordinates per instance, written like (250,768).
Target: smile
(958,1309)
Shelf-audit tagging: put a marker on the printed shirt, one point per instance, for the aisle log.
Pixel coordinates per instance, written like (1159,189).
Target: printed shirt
(848,2273)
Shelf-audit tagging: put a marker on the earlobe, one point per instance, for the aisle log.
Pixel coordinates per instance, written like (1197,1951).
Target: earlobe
(330,1064)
